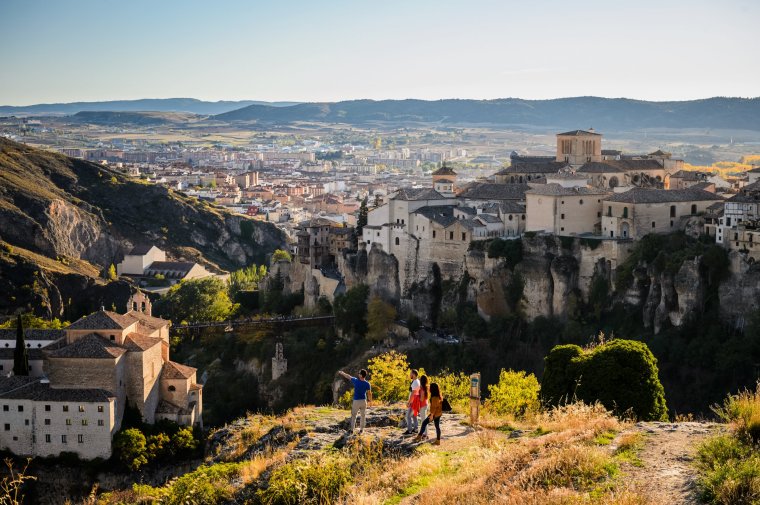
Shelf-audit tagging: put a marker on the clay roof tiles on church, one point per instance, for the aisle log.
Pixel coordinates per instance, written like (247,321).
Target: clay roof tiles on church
(102,320)
(418,194)
(607,166)
(91,346)
(444,170)
(149,321)
(645,195)
(441,214)
(494,191)
(139,343)
(544,167)
(555,189)
(578,133)
(172,370)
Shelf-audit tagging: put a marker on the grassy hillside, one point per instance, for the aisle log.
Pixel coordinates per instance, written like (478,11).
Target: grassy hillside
(601,113)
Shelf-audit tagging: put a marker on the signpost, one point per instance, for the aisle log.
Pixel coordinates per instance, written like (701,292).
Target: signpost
(474,398)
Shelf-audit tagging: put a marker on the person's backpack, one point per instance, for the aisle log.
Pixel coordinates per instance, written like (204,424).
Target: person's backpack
(445,406)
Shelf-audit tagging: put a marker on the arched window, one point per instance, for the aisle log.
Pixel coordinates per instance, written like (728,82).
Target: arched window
(397,241)
(510,217)
(172,388)
(581,202)
(693,209)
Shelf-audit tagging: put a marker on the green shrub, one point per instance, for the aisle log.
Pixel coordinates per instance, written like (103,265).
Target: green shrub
(130,447)
(455,387)
(389,376)
(307,481)
(621,374)
(729,471)
(515,394)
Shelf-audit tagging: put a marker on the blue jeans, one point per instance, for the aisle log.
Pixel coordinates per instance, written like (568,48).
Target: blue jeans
(411,420)
(436,421)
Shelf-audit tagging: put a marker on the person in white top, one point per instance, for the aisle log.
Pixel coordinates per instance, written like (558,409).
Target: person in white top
(411,417)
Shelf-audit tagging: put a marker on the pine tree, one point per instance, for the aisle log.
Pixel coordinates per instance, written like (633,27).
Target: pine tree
(361,221)
(20,354)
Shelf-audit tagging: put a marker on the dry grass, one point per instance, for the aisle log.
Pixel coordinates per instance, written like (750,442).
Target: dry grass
(556,461)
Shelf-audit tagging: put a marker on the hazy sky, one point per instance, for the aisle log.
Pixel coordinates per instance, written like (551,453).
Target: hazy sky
(311,50)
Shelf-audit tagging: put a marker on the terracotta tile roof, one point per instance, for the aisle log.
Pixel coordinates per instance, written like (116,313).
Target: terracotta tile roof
(555,189)
(444,170)
(31,334)
(644,195)
(165,407)
(593,167)
(544,167)
(90,346)
(418,194)
(149,321)
(102,320)
(578,133)
(139,343)
(32,388)
(172,370)
(493,191)
(140,250)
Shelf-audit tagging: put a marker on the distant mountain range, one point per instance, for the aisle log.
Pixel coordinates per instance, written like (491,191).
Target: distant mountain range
(148,104)
(609,114)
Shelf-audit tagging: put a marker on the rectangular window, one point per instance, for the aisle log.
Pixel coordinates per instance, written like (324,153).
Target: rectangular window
(464,236)
(68,422)
(433,233)
(20,408)
(451,235)
(84,422)
(63,439)
(47,438)
(100,422)
(80,439)
(26,422)
(47,422)
(47,408)
(5,408)
(7,427)
(81,408)
(100,408)
(652,224)
(65,408)
(562,216)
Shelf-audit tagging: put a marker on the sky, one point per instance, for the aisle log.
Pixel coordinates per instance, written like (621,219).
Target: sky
(311,50)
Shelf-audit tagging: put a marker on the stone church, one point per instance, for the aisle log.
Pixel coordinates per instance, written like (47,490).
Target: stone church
(80,383)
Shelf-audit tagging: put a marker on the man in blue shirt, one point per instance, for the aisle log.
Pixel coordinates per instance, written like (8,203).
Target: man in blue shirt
(362,394)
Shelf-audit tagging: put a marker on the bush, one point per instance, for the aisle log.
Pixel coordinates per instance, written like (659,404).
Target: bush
(516,394)
(389,376)
(307,481)
(130,447)
(455,387)
(510,250)
(621,374)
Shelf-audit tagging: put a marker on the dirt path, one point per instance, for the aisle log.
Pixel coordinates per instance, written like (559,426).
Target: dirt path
(667,458)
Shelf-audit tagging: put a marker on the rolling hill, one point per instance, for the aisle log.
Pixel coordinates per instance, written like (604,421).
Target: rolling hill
(190,105)
(601,113)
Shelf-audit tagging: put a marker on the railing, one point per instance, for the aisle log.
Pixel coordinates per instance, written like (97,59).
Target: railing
(248,322)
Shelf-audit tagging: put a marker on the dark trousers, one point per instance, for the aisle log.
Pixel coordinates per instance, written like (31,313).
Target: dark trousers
(436,421)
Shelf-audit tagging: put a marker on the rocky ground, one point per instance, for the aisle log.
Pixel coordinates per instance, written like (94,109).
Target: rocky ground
(321,428)
(666,459)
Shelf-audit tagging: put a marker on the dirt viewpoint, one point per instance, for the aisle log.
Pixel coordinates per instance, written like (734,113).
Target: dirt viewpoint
(667,456)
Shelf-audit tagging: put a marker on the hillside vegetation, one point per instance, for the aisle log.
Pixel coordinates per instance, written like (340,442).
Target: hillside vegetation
(64,208)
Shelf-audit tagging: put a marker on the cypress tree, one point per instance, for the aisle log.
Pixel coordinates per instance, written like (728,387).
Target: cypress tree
(20,354)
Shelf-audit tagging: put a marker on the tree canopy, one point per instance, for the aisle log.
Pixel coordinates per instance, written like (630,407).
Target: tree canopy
(204,299)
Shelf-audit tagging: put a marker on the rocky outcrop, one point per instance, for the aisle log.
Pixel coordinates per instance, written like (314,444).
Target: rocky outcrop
(739,294)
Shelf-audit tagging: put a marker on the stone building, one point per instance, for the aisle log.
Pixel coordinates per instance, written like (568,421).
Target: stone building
(641,211)
(563,210)
(94,368)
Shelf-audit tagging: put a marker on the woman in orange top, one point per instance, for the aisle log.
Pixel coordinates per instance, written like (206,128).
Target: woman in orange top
(435,413)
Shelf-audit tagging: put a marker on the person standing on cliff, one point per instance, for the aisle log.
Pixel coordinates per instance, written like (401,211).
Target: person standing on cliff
(362,394)
(411,408)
